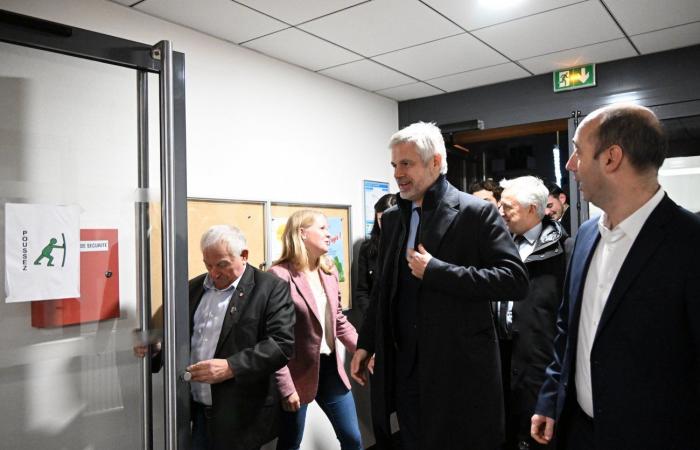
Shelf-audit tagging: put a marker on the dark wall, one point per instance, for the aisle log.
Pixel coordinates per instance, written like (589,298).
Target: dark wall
(650,80)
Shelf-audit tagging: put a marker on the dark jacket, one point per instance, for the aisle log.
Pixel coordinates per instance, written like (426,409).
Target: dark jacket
(257,338)
(474,261)
(645,360)
(535,321)
(366,271)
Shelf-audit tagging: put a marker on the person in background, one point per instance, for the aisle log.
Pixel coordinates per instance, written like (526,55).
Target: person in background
(526,329)
(626,371)
(558,206)
(316,371)
(444,256)
(367,259)
(487,190)
(241,327)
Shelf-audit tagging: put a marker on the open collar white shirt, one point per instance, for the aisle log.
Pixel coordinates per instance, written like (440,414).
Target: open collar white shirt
(608,257)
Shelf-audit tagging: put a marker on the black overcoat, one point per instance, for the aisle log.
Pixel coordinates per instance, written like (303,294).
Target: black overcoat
(474,262)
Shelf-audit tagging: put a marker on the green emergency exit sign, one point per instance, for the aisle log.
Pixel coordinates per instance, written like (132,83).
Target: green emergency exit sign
(574,78)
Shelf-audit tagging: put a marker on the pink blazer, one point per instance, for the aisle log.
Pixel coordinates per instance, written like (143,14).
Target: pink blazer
(301,373)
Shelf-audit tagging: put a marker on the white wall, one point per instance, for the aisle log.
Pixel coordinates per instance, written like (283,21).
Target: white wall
(257,128)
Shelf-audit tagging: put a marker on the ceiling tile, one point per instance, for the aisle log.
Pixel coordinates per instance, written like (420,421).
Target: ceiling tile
(465,53)
(570,27)
(298,47)
(297,11)
(382,26)
(639,16)
(472,14)
(479,77)
(667,39)
(597,53)
(221,18)
(367,75)
(409,91)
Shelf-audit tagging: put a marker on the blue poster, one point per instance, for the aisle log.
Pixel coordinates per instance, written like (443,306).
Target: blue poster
(374,190)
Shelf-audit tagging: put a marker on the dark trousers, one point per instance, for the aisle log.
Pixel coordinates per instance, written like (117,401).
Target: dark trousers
(579,431)
(407,401)
(201,416)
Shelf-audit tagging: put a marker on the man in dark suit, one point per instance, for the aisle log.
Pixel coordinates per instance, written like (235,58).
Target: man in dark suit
(558,207)
(626,371)
(526,329)
(443,256)
(242,331)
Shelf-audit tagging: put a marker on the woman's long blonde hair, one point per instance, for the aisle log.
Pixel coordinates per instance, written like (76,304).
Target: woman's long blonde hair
(293,248)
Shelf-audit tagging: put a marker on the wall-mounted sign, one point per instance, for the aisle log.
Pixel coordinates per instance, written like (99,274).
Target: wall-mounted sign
(574,78)
(42,252)
(99,285)
(374,190)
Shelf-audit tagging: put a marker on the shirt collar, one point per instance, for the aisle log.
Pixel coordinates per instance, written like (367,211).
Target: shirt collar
(209,285)
(533,233)
(633,224)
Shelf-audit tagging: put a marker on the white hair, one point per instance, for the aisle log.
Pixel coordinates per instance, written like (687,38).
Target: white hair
(528,190)
(428,141)
(229,235)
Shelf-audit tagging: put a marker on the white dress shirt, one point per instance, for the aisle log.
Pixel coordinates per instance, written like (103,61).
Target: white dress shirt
(608,257)
(208,319)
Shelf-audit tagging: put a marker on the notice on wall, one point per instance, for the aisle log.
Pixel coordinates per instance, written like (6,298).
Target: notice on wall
(335,250)
(42,252)
(373,191)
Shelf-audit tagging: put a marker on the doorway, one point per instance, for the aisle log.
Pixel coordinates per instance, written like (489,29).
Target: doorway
(77,141)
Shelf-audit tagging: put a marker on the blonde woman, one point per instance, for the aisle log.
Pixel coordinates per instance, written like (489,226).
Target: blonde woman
(316,371)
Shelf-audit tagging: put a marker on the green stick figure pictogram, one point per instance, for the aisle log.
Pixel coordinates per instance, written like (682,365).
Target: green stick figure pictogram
(46,252)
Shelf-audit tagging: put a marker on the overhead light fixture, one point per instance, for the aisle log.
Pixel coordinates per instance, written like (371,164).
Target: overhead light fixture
(458,127)
(499,4)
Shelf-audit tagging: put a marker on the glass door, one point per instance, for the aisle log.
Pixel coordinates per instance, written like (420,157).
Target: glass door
(84,174)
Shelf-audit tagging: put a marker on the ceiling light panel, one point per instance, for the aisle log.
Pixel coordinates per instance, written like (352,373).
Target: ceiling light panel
(297,11)
(668,38)
(442,57)
(473,14)
(221,18)
(596,53)
(564,28)
(640,16)
(479,77)
(367,75)
(382,26)
(410,91)
(302,49)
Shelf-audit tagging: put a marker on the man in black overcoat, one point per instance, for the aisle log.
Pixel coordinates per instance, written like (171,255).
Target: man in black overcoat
(443,257)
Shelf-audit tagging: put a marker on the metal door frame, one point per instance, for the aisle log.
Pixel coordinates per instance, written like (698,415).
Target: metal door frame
(169,65)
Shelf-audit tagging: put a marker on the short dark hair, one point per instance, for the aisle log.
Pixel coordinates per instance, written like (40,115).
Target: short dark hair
(556,191)
(487,185)
(640,135)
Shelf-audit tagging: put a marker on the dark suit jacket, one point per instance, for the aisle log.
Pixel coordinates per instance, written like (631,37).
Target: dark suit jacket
(474,261)
(257,338)
(645,360)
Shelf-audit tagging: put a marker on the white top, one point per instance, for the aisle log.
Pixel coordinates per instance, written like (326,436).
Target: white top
(607,260)
(327,344)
